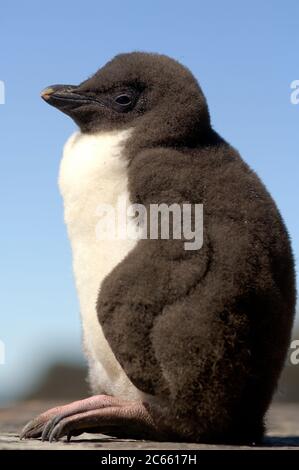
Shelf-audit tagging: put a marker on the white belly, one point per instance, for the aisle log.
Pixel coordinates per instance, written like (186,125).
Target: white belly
(93,172)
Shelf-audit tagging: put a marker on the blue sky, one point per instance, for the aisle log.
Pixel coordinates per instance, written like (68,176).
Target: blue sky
(245,57)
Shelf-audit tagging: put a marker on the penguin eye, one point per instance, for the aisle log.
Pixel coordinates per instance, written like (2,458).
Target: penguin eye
(123,99)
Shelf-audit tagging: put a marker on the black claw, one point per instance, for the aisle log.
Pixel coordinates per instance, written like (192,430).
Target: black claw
(55,433)
(50,426)
(26,429)
(31,430)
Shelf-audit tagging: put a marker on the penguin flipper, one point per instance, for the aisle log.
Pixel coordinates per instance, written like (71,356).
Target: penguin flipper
(136,293)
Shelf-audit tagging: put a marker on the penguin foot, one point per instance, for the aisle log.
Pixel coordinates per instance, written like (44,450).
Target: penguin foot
(98,414)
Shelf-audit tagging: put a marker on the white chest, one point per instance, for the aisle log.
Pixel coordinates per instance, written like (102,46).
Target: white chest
(93,172)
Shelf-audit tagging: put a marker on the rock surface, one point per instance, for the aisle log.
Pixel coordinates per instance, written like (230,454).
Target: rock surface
(283,432)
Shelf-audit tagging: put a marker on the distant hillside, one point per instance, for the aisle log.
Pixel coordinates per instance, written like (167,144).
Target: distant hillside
(68,382)
(61,382)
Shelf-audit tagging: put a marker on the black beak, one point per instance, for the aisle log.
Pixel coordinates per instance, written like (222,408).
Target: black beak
(65,97)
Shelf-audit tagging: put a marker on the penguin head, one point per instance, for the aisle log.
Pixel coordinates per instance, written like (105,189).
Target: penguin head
(151,92)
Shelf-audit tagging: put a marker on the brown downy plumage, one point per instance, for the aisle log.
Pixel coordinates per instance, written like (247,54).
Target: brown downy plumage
(204,332)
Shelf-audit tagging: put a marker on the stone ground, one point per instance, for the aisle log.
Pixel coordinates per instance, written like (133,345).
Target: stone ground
(283,432)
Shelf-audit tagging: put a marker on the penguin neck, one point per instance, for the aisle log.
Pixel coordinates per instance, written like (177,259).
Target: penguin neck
(146,136)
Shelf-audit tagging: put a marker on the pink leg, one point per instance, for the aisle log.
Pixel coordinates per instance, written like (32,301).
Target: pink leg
(100,413)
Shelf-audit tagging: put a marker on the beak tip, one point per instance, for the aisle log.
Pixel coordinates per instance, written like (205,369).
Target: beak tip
(46,93)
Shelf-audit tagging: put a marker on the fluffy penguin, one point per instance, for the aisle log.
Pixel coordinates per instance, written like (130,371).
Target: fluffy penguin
(182,344)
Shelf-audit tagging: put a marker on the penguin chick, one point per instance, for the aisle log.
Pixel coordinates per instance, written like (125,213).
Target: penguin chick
(182,344)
